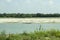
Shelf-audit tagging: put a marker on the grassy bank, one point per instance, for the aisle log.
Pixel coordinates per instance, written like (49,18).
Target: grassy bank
(37,35)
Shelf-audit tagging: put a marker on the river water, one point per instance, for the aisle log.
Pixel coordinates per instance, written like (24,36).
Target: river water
(20,28)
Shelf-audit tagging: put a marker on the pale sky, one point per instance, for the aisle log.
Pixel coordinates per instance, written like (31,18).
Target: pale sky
(30,6)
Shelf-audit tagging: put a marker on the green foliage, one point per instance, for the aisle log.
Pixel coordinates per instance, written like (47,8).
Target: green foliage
(23,15)
(2,35)
(37,35)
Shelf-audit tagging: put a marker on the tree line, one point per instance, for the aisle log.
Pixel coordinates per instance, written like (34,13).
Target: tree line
(23,15)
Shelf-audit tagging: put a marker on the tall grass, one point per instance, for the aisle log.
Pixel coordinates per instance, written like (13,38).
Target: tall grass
(36,35)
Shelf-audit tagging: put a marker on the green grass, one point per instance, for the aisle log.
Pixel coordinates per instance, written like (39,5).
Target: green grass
(36,35)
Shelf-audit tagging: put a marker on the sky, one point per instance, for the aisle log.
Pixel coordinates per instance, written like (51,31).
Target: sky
(29,6)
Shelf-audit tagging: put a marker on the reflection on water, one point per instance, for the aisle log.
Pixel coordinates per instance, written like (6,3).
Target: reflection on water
(19,28)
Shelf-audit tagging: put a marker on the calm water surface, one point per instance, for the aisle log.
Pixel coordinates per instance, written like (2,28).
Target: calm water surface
(20,28)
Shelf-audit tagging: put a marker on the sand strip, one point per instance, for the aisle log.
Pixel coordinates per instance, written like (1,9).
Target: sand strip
(30,20)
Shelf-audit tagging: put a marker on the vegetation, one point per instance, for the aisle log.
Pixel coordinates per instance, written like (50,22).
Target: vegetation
(37,35)
(23,15)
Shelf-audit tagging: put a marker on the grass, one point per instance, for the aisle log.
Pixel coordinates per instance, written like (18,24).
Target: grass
(37,35)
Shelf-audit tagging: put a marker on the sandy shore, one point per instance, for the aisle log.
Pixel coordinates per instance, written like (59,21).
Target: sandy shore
(30,20)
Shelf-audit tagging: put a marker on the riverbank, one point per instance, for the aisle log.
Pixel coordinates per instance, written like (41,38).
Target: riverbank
(30,20)
(36,35)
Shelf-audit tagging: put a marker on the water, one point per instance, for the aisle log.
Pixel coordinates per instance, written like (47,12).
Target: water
(20,28)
